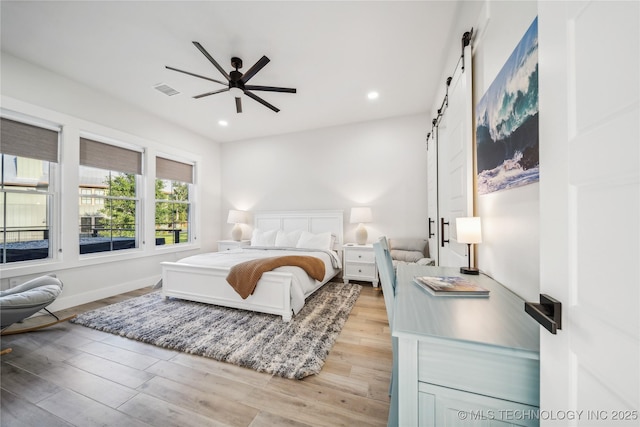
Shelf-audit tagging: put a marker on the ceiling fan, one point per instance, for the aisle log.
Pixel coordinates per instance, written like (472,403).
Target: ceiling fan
(237,81)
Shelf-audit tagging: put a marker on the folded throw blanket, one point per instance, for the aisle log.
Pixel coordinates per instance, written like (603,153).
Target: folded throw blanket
(244,277)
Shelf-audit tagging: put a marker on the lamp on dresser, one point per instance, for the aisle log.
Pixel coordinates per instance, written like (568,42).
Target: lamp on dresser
(237,218)
(360,216)
(469,231)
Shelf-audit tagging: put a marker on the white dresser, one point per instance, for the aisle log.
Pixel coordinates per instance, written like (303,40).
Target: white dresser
(359,263)
(463,360)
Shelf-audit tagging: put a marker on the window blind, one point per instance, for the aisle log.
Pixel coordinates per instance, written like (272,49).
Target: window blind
(105,156)
(173,170)
(23,140)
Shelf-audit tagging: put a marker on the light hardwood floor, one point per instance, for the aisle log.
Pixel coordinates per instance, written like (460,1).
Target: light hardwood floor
(72,375)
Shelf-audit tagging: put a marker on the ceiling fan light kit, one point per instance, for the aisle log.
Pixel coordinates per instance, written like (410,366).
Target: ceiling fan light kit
(236,81)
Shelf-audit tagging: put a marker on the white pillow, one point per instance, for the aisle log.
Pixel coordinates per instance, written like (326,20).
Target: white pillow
(315,241)
(287,239)
(263,238)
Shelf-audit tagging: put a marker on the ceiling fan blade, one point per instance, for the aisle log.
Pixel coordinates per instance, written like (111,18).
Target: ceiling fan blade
(261,101)
(238,105)
(270,89)
(211,93)
(195,75)
(254,69)
(213,61)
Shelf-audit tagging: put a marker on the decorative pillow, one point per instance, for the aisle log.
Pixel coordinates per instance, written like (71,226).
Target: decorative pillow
(287,239)
(407,256)
(315,241)
(263,238)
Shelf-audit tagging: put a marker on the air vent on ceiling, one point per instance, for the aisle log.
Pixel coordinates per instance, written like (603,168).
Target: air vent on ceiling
(166,89)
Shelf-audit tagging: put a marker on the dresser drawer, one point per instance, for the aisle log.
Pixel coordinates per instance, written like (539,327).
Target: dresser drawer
(509,375)
(361,270)
(359,255)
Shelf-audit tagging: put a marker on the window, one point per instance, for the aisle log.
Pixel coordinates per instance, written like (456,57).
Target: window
(173,203)
(28,157)
(108,197)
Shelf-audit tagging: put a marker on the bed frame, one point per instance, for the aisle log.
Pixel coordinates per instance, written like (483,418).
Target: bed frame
(272,295)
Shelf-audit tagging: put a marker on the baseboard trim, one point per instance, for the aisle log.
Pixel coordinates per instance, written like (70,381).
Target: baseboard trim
(63,302)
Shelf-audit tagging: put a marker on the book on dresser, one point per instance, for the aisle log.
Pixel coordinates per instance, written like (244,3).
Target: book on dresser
(450,286)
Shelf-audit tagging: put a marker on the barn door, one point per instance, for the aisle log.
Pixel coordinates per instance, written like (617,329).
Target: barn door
(455,167)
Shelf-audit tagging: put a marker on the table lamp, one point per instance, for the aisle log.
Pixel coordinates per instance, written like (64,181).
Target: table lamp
(469,231)
(237,218)
(361,216)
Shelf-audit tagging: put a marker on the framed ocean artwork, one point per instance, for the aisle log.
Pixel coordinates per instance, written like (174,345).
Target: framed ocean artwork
(507,121)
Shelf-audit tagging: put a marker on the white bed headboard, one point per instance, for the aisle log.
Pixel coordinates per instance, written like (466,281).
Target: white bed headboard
(312,221)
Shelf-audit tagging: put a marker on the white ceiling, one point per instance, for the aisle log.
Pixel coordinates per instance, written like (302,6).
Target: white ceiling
(333,53)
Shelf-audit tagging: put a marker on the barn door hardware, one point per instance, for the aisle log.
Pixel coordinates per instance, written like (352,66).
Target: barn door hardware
(431,233)
(442,239)
(548,312)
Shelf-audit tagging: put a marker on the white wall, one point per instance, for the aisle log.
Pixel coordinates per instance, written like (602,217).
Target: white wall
(510,250)
(35,92)
(381,164)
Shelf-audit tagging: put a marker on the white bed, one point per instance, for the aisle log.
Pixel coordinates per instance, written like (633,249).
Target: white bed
(281,291)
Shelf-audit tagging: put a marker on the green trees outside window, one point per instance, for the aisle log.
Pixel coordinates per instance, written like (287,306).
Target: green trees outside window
(172,212)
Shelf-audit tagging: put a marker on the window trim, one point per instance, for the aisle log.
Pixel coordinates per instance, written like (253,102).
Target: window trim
(139,197)
(191,203)
(53,194)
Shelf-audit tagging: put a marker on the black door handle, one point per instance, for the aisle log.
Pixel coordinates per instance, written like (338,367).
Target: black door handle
(442,239)
(431,234)
(548,312)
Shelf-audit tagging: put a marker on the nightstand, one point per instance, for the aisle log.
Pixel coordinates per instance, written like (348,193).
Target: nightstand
(359,263)
(227,245)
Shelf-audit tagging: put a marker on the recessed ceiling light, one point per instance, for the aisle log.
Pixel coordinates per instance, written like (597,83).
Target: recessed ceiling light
(373,95)
(223,123)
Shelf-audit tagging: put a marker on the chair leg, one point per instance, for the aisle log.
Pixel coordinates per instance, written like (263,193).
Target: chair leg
(6,351)
(35,328)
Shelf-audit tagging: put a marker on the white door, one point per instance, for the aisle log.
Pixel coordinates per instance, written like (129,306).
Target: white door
(432,196)
(590,209)
(455,180)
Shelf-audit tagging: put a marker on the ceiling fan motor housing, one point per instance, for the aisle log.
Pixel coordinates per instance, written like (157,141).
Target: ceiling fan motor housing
(235,79)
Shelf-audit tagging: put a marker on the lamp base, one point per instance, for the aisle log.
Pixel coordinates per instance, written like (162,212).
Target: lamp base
(469,270)
(236,232)
(361,235)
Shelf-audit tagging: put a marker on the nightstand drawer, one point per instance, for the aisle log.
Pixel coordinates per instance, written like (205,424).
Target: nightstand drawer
(228,245)
(361,270)
(359,255)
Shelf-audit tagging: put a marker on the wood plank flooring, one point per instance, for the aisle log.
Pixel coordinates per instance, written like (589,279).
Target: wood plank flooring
(69,375)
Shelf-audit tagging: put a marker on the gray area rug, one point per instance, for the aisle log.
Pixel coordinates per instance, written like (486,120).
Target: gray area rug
(254,340)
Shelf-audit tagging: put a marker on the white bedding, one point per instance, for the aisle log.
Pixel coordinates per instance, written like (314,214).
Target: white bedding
(302,285)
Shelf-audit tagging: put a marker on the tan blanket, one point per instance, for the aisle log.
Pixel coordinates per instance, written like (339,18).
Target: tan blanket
(244,277)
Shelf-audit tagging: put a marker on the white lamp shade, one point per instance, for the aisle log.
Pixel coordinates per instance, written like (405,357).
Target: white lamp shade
(469,230)
(236,217)
(360,215)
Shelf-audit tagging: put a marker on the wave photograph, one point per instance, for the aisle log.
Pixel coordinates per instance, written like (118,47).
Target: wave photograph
(507,121)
